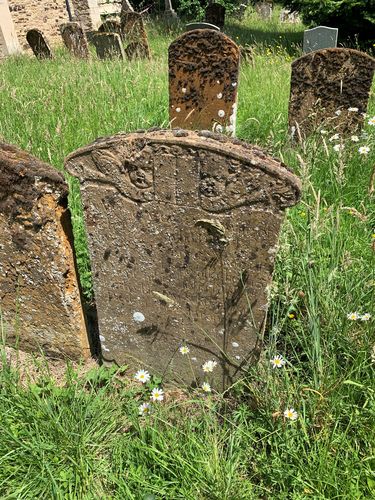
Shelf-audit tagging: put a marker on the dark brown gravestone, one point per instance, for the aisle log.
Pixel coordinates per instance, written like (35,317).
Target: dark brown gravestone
(203,80)
(75,39)
(135,36)
(330,87)
(182,229)
(111,26)
(108,45)
(215,14)
(39,294)
(38,44)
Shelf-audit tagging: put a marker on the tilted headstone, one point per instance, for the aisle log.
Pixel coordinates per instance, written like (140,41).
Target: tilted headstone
(108,45)
(203,80)
(40,301)
(330,87)
(318,38)
(264,10)
(38,44)
(111,26)
(182,230)
(201,26)
(215,14)
(75,39)
(135,35)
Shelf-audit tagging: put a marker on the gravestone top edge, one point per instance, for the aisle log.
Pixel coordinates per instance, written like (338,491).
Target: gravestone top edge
(203,33)
(201,26)
(34,168)
(333,50)
(320,27)
(203,139)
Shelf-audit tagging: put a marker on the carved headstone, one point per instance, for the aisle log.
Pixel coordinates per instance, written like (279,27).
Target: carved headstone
(318,38)
(182,230)
(201,26)
(39,293)
(324,85)
(135,35)
(75,39)
(38,44)
(215,14)
(203,80)
(264,10)
(108,45)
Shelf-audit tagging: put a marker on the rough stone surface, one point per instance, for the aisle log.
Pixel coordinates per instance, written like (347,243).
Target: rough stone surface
(111,26)
(264,10)
(108,45)
(39,44)
(201,26)
(75,39)
(39,294)
(325,84)
(321,37)
(182,229)
(215,14)
(87,12)
(203,80)
(135,35)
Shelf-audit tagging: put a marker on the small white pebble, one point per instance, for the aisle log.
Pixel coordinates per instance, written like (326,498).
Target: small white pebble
(219,95)
(238,357)
(183,90)
(138,317)
(178,110)
(234,84)
(102,338)
(235,344)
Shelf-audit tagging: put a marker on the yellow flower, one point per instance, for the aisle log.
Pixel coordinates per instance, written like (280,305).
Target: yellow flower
(291,315)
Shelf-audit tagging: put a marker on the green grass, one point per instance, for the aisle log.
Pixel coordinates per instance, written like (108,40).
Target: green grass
(84,439)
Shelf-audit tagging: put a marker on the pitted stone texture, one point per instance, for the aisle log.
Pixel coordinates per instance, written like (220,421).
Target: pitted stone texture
(111,26)
(108,45)
(75,40)
(215,14)
(39,294)
(203,81)
(187,217)
(325,84)
(38,44)
(135,36)
(321,37)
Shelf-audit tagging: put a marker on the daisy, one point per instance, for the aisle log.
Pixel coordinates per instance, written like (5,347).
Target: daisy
(277,361)
(144,409)
(353,316)
(209,366)
(353,110)
(335,137)
(365,317)
(371,121)
(184,349)
(363,150)
(142,376)
(291,414)
(355,138)
(338,147)
(157,394)
(206,387)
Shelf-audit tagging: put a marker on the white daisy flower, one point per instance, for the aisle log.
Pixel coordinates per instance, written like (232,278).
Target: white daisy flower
(365,317)
(353,316)
(209,366)
(184,349)
(142,376)
(206,387)
(291,414)
(363,150)
(144,409)
(355,138)
(335,137)
(338,147)
(353,110)
(277,361)
(157,394)
(371,121)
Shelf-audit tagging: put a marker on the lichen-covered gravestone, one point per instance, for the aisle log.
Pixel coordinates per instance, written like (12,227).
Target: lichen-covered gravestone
(321,37)
(203,80)
(75,39)
(215,14)
(135,35)
(40,300)
(38,44)
(108,45)
(111,26)
(182,229)
(330,87)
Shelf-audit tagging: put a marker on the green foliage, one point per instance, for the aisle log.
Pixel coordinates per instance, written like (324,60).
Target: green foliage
(354,18)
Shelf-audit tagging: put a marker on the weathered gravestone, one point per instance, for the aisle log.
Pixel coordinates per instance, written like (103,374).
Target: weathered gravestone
(324,85)
(203,79)
(108,45)
(215,14)
(288,16)
(75,39)
(135,35)
(111,26)
(318,38)
(182,230)
(39,293)
(201,26)
(38,44)
(264,10)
